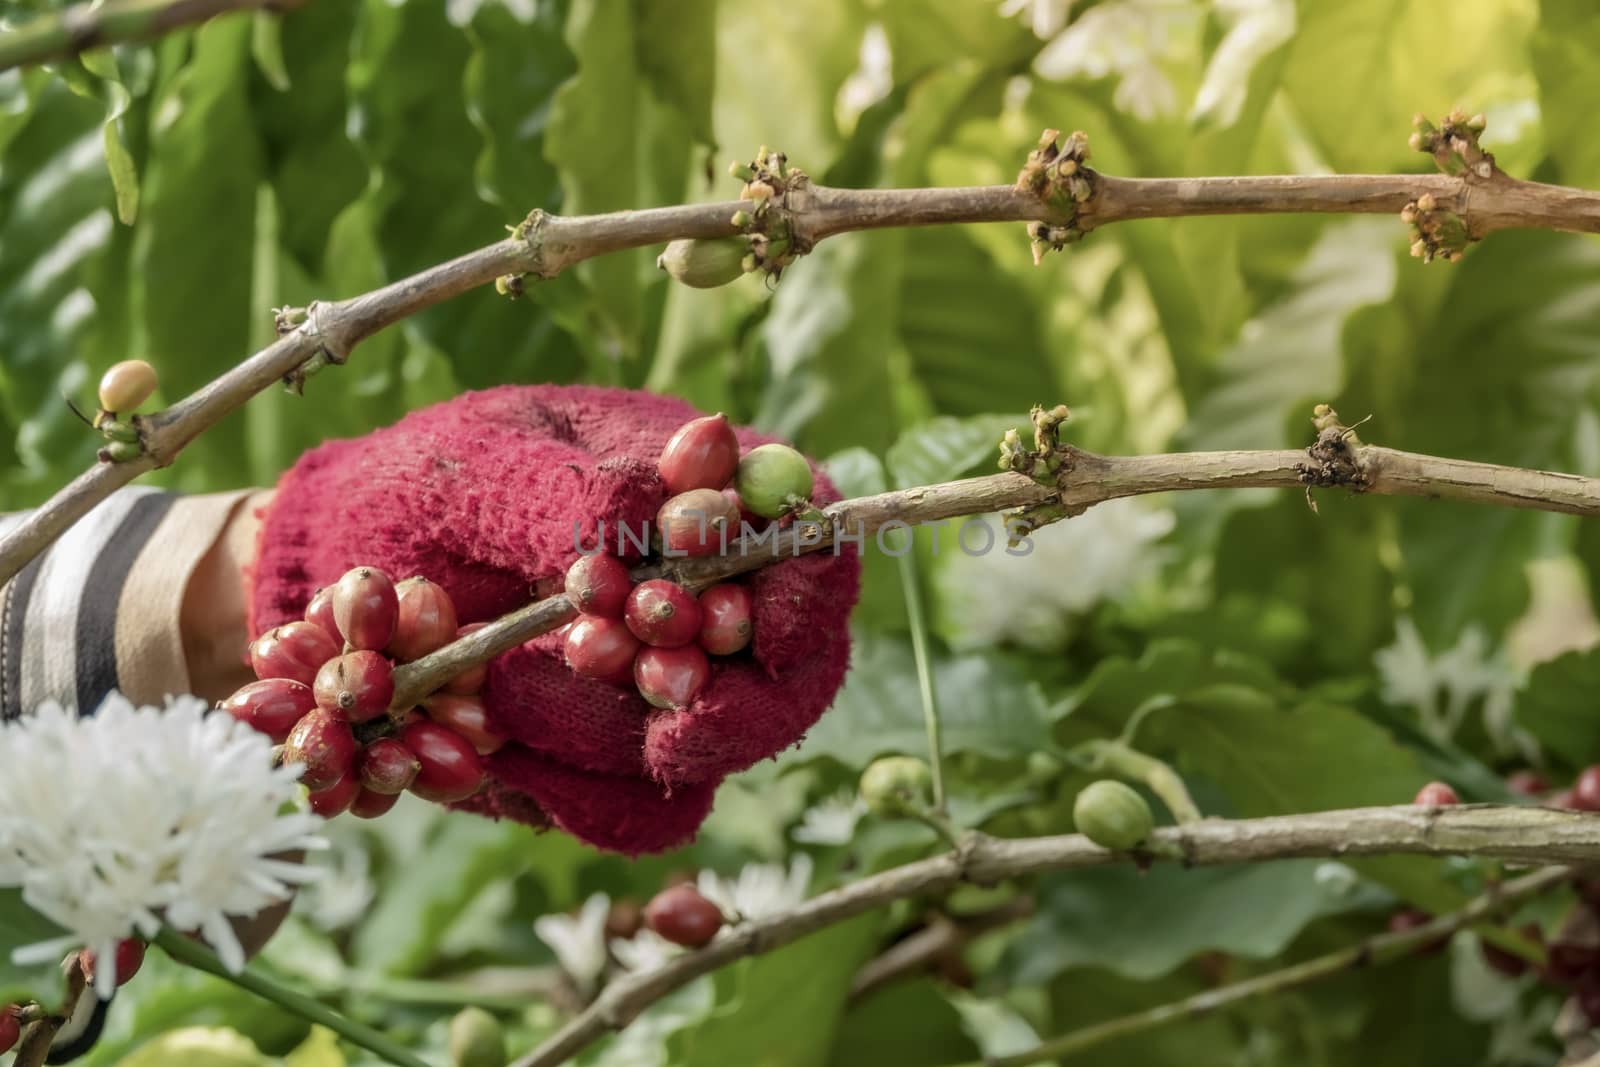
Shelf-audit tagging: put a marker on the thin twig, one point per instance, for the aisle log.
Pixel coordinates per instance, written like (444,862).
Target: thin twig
(1379,949)
(84,26)
(1513,834)
(1086,479)
(544,245)
(941,937)
(188,951)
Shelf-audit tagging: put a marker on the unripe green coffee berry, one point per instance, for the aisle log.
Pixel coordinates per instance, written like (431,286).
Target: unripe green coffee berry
(476,1039)
(704,264)
(896,785)
(1112,815)
(772,480)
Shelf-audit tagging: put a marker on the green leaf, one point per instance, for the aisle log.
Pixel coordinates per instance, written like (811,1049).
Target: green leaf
(1145,924)
(1557,705)
(1565,52)
(945,448)
(672,40)
(266,48)
(419,901)
(198,1046)
(1496,361)
(1288,356)
(195,247)
(986,705)
(1359,69)
(908,1024)
(759,997)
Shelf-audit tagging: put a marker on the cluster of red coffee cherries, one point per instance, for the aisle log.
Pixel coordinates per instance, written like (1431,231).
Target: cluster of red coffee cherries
(326,684)
(129,958)
(678,913)
(656,635)
(1570,965)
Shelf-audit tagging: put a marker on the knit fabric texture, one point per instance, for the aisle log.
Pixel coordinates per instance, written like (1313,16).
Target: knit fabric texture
(490,493)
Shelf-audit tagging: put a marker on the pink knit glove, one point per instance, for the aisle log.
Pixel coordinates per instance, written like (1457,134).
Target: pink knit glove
(480,494)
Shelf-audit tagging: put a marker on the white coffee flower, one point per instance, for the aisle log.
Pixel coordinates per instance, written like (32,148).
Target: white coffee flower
(1127,39)
(340,898)
(1443,688)
(579,943)
(1034,599)
(116,824)
(1256,27)
(645,951)
(831,821)
(1044,17)
(760,890)
(872,80)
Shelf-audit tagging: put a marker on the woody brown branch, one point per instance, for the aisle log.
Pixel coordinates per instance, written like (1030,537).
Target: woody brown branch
(1513,834)
(1087,479)
(547,244)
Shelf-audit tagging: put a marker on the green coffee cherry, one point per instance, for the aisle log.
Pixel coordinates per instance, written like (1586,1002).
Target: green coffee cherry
(476,1039)
(1112,815)
(896,785)
(705,264)
(772,480)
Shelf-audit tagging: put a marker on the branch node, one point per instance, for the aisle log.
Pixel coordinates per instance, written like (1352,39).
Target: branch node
(771,194)
(1334,459)
(1058,175)
(330,351)
(1047,463)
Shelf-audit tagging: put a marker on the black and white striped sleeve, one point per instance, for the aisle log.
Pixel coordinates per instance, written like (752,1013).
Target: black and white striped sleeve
(99,609)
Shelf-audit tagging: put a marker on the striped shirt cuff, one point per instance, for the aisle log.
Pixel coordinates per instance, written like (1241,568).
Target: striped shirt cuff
(100,608)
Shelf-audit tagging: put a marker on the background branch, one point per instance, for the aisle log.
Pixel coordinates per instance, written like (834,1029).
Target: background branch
(544,245)
(1086,479)
(1379,949)
(1514,834)
(85,26)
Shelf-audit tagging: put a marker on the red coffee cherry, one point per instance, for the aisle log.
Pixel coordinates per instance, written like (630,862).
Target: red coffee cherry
(598,585)
(427,620)
(467,716)
(1568,963)
(335,799)
(703,454)
(357,685)
(662,613)
(725,619)
(129,958)
(387,767)
(370,805)
(294,650)
(319,612)
(1529,783)
(10,1028)
(1436,795)
(470,680)
(602,649)
(365,607)
(323,745)
(450,769)
(272,706)
(671,677)
(1586,790)
(697,523)
(684,917)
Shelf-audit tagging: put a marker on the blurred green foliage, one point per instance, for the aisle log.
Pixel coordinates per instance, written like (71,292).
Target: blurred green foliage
(158,200)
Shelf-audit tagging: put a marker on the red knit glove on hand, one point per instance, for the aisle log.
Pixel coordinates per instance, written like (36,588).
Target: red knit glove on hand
(480,494)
